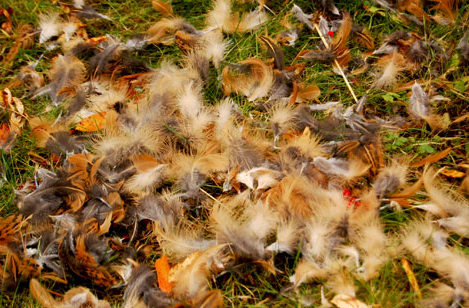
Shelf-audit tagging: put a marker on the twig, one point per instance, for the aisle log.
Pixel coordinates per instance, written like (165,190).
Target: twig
(341,71)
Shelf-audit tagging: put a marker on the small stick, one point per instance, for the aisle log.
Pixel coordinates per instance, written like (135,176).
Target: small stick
(337,64)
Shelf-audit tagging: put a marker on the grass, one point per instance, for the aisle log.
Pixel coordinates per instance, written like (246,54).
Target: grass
(249,286)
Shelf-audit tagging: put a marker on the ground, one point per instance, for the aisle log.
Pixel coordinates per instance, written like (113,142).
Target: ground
(255,288)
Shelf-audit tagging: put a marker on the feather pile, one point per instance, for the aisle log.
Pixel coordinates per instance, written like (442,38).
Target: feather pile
(146,167)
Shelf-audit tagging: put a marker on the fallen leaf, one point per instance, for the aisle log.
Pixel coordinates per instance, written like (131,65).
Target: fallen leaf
(92,123)
(410,275)
(7,25)
(162,272)
(4,133)
(431,159)
(453,173)
(308,93)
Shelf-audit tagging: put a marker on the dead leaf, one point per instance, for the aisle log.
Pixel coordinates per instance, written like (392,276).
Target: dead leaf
(4,133)
(162,272)
(431,159)
(24,39)
(410,275)
(308,93)
(144,162)
(347,301)
(7,25)
(453,173)
(92,123)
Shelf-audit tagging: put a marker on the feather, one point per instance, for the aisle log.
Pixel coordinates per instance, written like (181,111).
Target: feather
(219,15)
(463,48)
(222,17)
(165,28)
(328,5)
(259,178)
(372,241)
(66,72)
(190,277)
(340,167)
(320,55)
(390,178)
(50,26)
(339,42)
(190,100)
(164,212)
(142,290)
(288,235)
(281,119)
(448,11)
(147,180)
(302,17)
(251,77)
(241,153)
(163,7)
(306,271)
(249,21)
(69,30)
(181,241)
(391,66)
(73,298)
(62,142)
(100,62)
(86,11)
(274,51)
(215,47)
(417,52)
(234,231)
(418,104)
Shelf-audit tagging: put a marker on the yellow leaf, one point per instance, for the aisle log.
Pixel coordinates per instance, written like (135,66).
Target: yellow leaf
(453,173)
(92,123)
(411,277)
(162,272)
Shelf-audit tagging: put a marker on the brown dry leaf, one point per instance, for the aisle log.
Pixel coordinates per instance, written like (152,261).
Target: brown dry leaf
(410,275)
(162,271)
(431,159)
(347,301)
(17,119)
(453,173)
(24,39)
(163,7)
(106,225)
(7,25)
(4,133)
(92,123)
(144,162)
(308,93)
